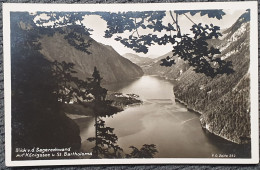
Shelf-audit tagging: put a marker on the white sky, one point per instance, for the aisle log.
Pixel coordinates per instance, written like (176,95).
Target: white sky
(99,26)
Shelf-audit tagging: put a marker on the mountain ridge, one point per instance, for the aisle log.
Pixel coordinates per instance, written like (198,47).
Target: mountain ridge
(137,59)
(112,66)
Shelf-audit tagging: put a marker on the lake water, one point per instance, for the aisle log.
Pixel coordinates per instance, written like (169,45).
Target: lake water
(176,132)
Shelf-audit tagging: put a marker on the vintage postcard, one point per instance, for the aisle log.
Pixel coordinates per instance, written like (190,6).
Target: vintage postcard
(131,83)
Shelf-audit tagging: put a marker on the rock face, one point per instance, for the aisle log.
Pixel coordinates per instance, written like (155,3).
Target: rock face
(224,101)
(112,66)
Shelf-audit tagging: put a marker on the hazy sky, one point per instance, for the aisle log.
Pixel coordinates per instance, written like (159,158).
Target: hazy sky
(99,26)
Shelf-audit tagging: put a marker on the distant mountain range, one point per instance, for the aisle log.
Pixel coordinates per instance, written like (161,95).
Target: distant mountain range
(224,100)
(154,67)
(112,66)
(137,59)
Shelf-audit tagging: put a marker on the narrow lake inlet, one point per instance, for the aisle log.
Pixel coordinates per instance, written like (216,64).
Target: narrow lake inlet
(176,132)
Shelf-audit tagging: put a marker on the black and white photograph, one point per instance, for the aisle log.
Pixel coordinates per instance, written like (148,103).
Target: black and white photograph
(131,83)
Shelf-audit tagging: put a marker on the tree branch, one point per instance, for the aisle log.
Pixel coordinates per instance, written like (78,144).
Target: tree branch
(136,28)
(173,18)
(176,21)
(190,19)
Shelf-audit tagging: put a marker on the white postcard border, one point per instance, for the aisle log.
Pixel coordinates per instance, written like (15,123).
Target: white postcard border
(8,7)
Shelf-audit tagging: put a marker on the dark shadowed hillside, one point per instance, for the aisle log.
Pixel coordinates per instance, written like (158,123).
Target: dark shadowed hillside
(112,66)
(37,118)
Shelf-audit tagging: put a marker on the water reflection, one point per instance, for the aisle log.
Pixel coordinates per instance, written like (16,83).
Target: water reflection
(176,132)
(104,140)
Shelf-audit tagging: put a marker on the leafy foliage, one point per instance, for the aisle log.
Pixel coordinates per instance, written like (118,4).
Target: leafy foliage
(192,48)
(58,19)
(76,39)
(105,140)
(63,76)
(196,51)
(57,78)
(132,21)
(210,13)
(40,87)
(146,151)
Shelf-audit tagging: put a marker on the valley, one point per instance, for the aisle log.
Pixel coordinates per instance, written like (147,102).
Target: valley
(122,101)
(159,120)
(223,100)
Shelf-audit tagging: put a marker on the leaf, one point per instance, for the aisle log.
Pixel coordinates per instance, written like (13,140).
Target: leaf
(170,27)
(150,26)
(143,26)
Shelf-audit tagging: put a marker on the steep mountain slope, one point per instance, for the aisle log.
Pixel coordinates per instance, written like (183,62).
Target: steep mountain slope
(224,100)
(137,59)
(112,66)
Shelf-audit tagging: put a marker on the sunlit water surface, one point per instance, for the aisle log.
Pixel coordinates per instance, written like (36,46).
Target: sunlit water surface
(176,132)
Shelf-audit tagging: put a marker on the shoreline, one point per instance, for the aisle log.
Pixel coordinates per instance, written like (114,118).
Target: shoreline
(202,121)
(199,113)
(204,127)
(118,100)
(188,108)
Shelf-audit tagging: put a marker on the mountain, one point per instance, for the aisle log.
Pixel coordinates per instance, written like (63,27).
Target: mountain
(154,67)
(223,101)
(137,59)
(38,118)
(152,56)
(112,66)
